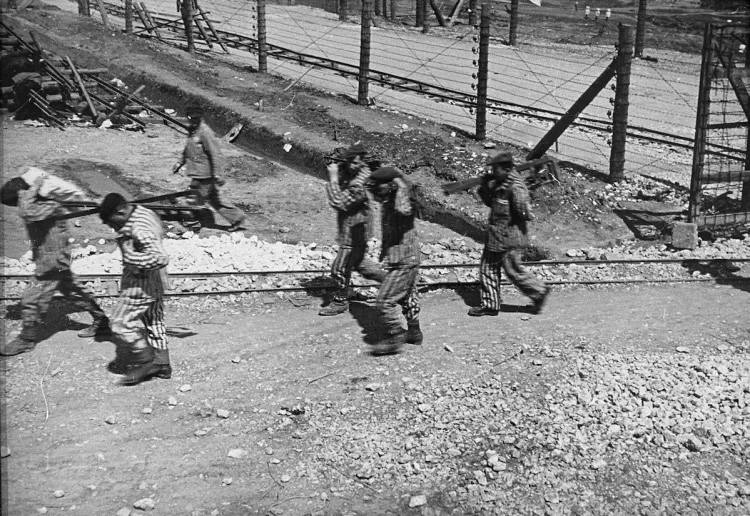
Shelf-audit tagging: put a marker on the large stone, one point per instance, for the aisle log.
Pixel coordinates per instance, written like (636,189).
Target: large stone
(684,235)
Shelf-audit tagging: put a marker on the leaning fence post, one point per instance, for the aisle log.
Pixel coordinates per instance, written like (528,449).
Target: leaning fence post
(128,16)
(513,37)
(483,73)
(701,123)
(262,46)
(364,53)
(620,111)
(640,28)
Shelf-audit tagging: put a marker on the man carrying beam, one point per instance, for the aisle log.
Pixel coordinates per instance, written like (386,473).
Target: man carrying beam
(38,196)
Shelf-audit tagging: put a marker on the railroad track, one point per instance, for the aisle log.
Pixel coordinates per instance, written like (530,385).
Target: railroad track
(622,271)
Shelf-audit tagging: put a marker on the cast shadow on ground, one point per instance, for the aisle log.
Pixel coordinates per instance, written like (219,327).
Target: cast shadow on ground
(725,273)
(471,298)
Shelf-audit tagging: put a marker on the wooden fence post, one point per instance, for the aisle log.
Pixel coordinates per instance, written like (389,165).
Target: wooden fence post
(262,46)
(128,16)
(640,28)
(364,53)
(483,73)
(701,123)
(745,196)
(83,8)
(472,12)
(419,14)
(103,11)
(393,9)
(620,111)
(187,20)
(343,10)
(513,37)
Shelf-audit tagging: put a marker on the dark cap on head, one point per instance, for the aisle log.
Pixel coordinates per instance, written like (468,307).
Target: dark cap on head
(355,150)
(194,111)
(110,204)
(385,174)
(501,158)
(9,191)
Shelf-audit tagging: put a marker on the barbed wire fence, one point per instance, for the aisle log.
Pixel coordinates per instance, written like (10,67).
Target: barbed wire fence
(434,75)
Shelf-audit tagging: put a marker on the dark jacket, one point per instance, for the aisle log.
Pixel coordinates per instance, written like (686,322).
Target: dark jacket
(509,204)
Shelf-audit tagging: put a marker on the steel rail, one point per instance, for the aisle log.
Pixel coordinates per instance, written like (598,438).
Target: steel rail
(541,263)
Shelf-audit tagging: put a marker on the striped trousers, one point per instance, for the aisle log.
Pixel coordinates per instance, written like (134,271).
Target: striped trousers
(36,300)
(352,258)
(490,275)
(140,307)
(397,299)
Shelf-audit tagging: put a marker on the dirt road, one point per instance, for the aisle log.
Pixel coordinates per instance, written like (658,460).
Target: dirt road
(269,382)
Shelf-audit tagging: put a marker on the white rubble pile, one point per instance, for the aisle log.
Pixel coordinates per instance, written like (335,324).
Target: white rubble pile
(234,252)
(657,421)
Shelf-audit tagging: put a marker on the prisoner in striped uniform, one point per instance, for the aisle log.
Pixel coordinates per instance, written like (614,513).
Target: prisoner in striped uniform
(397,297)
(347,195)
(140,305)
(38,196)
(505,192)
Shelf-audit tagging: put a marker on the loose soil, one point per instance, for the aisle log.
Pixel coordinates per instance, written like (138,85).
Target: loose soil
(80,443)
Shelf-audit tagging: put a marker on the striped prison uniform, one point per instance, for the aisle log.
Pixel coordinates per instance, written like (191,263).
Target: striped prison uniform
(397,299)
(39,206)
(349,199)
(509,203)
(144,279)
(205,165)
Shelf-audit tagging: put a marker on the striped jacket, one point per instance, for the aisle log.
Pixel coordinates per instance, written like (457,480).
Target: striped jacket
(202,154)
(350,200)
(510,209)
(38,207)
(400,241)
(140,241)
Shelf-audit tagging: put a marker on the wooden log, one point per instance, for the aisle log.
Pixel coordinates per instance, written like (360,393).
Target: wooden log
(82,88)
(211,28)
(151,21)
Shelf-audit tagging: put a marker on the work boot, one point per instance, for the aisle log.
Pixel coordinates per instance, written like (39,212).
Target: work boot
(479,311)
(390,345)
(16,347)
(99,328)
(539,302)
(414,333)
(335,307)
(140,365)
(161,367)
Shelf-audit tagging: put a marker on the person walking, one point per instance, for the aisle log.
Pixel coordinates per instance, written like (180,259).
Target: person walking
(144,279)
(397,300)
(38,196)
(505,192)
(204,165)
(347,195)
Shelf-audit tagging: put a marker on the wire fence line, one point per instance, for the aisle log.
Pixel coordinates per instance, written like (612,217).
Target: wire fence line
(529,87)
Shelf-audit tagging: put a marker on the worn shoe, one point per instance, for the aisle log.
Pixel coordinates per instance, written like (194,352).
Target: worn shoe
(414,333)
(334,308)
(16,347)
(98,328)
(539,302)
(390,345)
(140,366)
(161,367)
(238,226)
(479,311)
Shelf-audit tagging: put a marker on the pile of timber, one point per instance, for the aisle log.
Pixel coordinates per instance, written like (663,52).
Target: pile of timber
(38,85)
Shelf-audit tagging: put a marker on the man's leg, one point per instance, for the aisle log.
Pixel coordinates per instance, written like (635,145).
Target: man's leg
(489,284)
(410,308)
(35,302)
(83,298)
(524,280)
(229,211)
(341,274)
(156,336)
(392,293)
(133,355)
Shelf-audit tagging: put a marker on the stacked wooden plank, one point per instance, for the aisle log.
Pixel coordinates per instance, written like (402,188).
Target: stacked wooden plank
(39,85)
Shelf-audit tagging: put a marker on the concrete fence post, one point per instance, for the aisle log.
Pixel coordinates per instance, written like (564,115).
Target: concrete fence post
(622,102)
(364,53)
